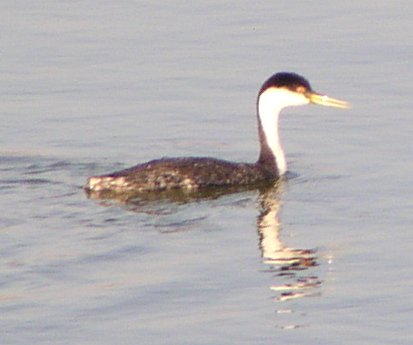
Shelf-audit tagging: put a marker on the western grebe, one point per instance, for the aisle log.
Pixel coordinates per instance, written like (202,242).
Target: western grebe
(192,173)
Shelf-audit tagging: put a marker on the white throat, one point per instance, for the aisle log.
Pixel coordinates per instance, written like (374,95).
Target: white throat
(270,104)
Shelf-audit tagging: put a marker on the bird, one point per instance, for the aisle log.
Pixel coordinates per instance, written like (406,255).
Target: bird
(192,174)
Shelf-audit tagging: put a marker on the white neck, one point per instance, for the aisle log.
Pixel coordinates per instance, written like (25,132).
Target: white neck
(270,104)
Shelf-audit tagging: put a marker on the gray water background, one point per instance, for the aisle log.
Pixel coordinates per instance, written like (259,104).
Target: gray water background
(89,87)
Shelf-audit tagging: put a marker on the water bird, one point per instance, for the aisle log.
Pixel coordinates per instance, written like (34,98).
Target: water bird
(281,90)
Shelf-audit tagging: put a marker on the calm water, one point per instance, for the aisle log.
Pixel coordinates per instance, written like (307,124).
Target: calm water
(90,87)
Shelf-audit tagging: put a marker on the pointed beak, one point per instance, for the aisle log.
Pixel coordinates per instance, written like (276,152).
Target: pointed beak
(327,101)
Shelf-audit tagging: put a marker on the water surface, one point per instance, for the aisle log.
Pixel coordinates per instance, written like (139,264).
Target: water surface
(90,87)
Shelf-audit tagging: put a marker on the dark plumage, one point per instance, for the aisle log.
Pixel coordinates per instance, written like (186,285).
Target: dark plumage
(181,173)
(288,80)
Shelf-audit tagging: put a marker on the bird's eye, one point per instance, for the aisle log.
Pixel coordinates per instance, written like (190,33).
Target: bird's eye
(301,89)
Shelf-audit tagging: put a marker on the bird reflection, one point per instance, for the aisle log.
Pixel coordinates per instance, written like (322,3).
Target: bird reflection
(285,262)
(173,196)
(291,267)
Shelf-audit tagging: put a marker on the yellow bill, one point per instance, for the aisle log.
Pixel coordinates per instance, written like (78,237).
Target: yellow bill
(327,101)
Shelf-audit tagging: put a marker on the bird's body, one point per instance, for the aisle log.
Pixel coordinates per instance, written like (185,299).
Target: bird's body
(189,173)
(193,173)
